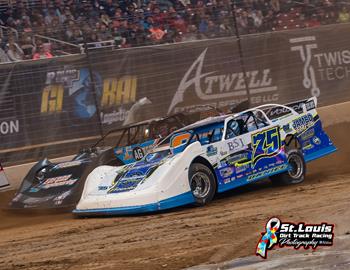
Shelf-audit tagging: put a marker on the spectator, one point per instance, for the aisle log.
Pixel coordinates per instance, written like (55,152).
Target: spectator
(157,34)
(43,53)
(143,22)
(3,56)
(14,52)
(344,15)
(258,19)
(50,16)
(275,4)
(192,34)
(27,47)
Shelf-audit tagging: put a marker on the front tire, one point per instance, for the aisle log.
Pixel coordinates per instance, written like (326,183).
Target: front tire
(202,183)
(296,173)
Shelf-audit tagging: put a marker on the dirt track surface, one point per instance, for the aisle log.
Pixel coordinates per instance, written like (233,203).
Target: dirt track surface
(227,228)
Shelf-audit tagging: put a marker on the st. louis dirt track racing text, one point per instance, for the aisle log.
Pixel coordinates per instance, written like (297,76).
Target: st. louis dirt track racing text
(211,156)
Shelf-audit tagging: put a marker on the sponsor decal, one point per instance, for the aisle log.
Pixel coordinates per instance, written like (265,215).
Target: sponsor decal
(211,86)
(59,199)
(119,91)
(320,66)
(310,105)
(133,152)
(75,84)
(32,201)
(115,116)
(304,122)
(138,153)
(130,179)
(121,94)
(64,180)
(242,168)
(179,141)
(308,134)
(297,106)
(226,172)
(307,145)
(229,180)
(233,159)
(67,164)
(212,150)
(287,234)
(223,153)
(305,45)
(316,140)
(268,172)
(235,144)
(286,128)
(8,127)
(70,87)
(266,143)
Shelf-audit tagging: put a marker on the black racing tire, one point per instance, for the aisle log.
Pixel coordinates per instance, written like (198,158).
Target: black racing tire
(296,174)
(202,183)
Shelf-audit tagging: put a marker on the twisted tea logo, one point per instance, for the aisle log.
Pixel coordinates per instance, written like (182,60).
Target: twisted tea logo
(305,50)
(226,85)
(330,66)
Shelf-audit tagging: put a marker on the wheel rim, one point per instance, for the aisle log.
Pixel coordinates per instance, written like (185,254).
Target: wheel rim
(296,167)
(200,185)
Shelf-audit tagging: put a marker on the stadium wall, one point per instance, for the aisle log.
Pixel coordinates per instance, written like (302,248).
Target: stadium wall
(54,107)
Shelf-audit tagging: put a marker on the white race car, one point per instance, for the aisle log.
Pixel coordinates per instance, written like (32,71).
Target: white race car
(211,156)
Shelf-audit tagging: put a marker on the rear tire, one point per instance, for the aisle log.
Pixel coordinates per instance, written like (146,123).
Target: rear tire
(296,174)
(202,183)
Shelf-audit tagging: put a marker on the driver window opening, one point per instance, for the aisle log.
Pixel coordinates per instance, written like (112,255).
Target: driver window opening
(245,123)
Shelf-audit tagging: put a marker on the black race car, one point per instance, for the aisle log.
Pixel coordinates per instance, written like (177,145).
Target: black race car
(59,185)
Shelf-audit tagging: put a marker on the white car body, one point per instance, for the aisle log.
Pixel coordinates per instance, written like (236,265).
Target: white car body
(254,151)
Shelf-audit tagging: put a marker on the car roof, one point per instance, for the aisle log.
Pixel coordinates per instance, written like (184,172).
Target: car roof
(205,122)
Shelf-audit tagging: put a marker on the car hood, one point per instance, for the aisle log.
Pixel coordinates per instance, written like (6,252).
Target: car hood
(128,177)
(53,185)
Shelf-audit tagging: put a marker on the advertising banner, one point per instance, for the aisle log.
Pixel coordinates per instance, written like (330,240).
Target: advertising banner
(54,107)
(303,63)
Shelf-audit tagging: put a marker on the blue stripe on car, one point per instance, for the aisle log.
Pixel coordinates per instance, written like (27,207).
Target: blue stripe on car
(179,200)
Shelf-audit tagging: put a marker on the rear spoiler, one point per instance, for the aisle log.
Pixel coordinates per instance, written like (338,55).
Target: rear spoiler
(4,183)
(303,106)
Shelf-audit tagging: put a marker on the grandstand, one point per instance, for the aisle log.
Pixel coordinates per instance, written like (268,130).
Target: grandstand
(44,29)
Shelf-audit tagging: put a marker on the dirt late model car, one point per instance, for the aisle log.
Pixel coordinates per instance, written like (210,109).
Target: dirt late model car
(57,185)
(210,156)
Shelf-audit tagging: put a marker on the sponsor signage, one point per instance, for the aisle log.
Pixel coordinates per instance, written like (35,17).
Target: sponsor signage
(57,100)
